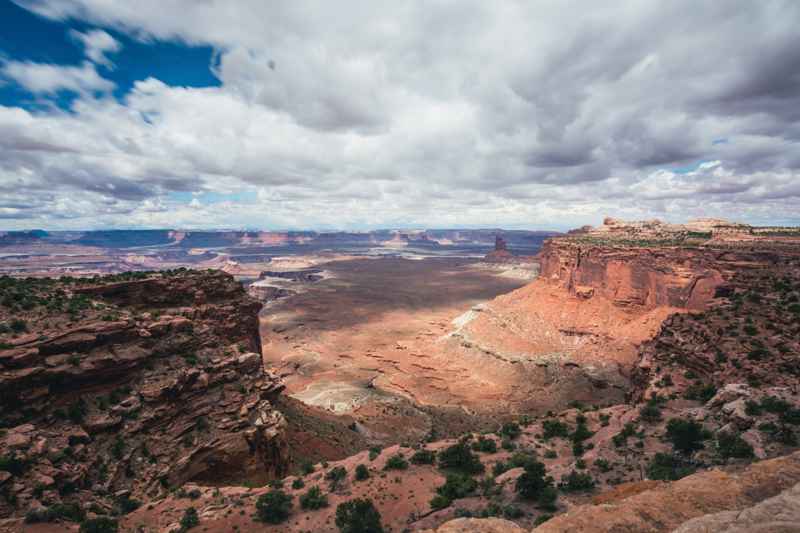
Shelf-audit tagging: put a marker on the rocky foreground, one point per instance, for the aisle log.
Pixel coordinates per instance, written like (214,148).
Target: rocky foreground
(662,366)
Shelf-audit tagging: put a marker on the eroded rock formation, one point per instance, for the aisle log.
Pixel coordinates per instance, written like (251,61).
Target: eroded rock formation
(118,390)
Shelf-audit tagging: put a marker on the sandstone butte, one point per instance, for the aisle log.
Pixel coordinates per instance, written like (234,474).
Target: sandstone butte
(143,395)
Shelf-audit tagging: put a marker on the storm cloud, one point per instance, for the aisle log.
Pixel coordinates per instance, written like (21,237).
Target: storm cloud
(471,113)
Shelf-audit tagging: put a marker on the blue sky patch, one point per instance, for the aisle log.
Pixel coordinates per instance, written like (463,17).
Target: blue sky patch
(25,36)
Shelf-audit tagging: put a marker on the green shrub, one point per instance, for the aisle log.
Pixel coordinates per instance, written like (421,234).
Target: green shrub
(535,485)
(521,459)
(791,416)
(752,408)
(775,405)
(576,482)
(358,516)
(484,445)
(362,473)
(374,452)
(335,476)
(700,392)
(274,507)
(423,457)
(621,438)
(396,462)
(457,486)
(307,467)
(686,436)
(439,502)
(554,428)
(18,325)
(650,413)
(189,519)
(510,430)
(126,504)
(460,458)
(602,465)
(298,483)
(101,524)
(313,499)
(730,445)
(667,467)
(13,464)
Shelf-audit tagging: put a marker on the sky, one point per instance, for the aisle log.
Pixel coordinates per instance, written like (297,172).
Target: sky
(358,115)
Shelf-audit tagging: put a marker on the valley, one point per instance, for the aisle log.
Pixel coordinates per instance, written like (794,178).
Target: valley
(616,369)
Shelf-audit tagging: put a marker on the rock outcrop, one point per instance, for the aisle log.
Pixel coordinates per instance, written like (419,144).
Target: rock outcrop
(691,504)
(116,389)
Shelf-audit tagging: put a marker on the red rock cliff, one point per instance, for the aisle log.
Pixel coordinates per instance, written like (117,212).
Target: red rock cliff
(633,276)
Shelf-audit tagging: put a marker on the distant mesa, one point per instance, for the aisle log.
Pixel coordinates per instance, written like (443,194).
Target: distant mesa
(501,253)
(697,231)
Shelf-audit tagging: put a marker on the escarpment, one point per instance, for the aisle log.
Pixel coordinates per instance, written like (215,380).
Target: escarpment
(634,277)
(602,293)
(114,390)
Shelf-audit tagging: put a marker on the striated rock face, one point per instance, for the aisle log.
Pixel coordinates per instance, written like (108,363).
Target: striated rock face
(634,277)
(123,388)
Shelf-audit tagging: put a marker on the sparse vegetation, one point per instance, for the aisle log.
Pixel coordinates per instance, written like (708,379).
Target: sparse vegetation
(358,516)
(686,436)
(423,457)
(668,467)
(362,473)
(460,458)
(313,499)
(396,462)
(274,507)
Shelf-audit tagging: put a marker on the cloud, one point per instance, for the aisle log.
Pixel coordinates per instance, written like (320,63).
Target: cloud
(531,114)
(45,78)
(97,44)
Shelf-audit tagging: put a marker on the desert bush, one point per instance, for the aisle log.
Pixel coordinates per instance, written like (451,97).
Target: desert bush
(460,458)
(650,413)
(686,436)
(554,428)
(313,499)
(510,430)
(396,462)
(576,482)
(101,524)
(189,519)
(485,445)
(274,507)
(456,486)
(335,476)
(668,467)
(358,516)
(423,457)
(535,485)
(362,473)
(731,445)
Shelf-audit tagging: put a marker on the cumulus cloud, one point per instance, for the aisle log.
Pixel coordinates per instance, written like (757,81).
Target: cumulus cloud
(524,114)
(47,78)
(97,45)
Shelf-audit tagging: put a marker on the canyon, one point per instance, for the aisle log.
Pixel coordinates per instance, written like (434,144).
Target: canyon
(588,388)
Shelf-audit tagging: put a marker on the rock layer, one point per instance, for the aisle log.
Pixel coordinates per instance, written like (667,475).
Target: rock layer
(158,381)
